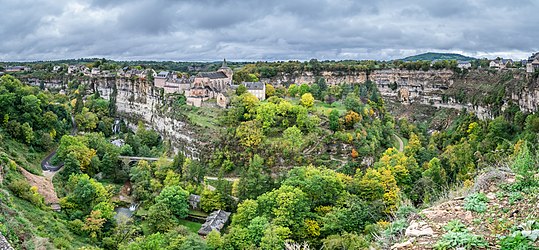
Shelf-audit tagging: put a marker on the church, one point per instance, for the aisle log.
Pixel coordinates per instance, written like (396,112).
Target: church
(208,85)
(199,88)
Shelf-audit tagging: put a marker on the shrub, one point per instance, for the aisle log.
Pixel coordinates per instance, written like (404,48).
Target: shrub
(516,241)
(476,202)
(466,240)
(455,226)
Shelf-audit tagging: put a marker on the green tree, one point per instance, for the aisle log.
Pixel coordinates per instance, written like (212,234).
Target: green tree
(141,178)
(214,240)
(241,90)
(294,137)
(256,180)
(161,218)
(293,90)
(334,124)
(304,89)
(176,199)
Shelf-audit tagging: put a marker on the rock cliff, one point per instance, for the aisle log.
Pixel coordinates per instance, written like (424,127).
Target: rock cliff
(137,100)
(484,92)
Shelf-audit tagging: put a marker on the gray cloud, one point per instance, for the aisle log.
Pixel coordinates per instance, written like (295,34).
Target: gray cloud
(264,30)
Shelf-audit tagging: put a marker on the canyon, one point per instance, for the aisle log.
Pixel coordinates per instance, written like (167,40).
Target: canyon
(138,100)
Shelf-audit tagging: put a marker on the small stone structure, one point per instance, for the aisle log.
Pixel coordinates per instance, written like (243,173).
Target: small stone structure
(215,221)
(194,201)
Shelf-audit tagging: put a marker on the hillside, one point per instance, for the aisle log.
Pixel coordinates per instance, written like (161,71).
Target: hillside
(431,56)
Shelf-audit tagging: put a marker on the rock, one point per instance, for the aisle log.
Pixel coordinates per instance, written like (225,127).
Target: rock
(419,229)
(403,245)
(468,216)
(491,196)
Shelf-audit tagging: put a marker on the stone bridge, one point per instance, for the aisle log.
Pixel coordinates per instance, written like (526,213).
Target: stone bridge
(130,159)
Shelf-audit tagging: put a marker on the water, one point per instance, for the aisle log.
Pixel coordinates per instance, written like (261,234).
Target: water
(116,126)
(126,211)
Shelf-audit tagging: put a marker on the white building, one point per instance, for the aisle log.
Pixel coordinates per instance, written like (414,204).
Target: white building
(258,89)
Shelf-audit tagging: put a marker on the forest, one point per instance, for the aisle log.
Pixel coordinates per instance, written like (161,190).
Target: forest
(322,166)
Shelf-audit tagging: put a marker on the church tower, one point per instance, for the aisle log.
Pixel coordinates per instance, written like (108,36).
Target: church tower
(226,70)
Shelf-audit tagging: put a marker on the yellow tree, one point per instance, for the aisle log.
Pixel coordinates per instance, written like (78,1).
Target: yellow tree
(307,100)
(249,133)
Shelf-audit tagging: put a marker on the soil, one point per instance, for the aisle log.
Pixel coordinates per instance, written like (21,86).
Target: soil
(44,186)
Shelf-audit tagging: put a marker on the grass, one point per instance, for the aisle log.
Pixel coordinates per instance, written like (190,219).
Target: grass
(325,108)
(205,117)
(24,156)
(198,213)
(192,226)
(44,223)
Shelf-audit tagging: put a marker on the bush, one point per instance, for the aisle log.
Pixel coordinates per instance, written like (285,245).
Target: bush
(466,240)
(455,226)
(476,202)
(516,241)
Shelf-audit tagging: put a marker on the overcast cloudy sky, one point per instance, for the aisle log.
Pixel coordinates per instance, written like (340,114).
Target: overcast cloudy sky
(199,30)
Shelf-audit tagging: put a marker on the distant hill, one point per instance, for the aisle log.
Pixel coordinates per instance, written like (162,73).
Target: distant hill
(431,56)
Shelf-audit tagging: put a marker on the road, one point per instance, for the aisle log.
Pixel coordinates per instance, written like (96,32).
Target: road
(46,164)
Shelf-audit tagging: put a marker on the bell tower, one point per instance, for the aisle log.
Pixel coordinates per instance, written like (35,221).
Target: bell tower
(226,70)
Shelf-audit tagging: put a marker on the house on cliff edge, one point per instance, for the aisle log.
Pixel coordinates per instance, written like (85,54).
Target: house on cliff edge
(533,63)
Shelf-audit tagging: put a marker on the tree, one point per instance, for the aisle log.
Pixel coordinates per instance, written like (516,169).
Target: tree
(141,177)
(214,240)
(274,237)
(94,223)
(176,199)
(249,134)
(83,194)
(307,100)
(293,90)
(270,90)
(294,137)
(211,200)
(351,118)
(241,90)
(161,218)
(178,162)
(334,120)
(436,173)
(266,113)
(304,89)
(255,181)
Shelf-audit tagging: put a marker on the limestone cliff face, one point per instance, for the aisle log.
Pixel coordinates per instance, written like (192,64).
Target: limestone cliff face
(332,78)
(406,86)
(528,98)
(137,100)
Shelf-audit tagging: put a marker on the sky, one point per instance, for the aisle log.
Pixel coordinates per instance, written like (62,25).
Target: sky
(266,30)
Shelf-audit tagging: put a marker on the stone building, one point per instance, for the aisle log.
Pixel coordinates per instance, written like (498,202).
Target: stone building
(199,88)
(207,85)
(533,63)
(215,221)
(258,89)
